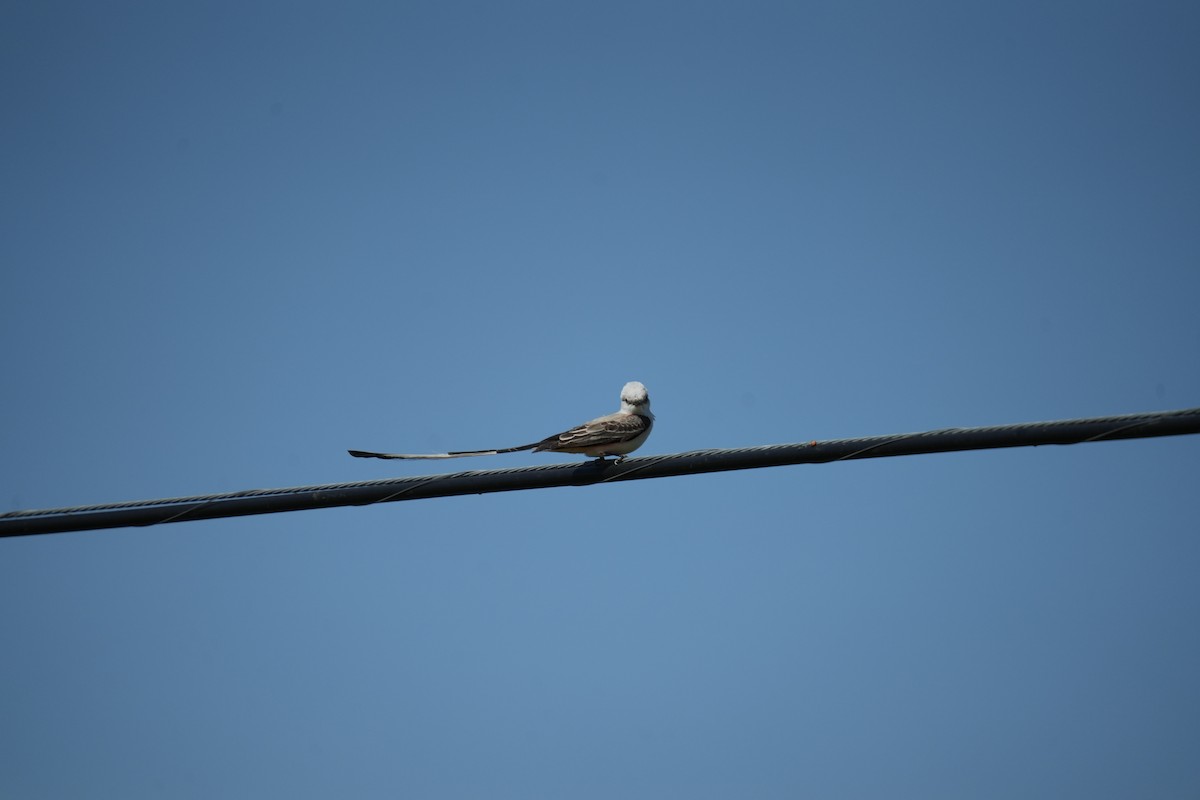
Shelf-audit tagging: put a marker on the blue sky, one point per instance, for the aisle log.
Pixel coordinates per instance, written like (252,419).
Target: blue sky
(241,238)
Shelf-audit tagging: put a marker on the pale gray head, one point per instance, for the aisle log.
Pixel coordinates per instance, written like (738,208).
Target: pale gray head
(634,399)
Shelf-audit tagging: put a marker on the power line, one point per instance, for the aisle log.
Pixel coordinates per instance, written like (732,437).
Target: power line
(269,501)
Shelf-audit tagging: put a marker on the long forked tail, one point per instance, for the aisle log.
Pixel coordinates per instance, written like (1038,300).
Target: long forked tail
(459,454)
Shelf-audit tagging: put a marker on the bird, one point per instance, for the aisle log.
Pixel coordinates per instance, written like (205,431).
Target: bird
(617,434)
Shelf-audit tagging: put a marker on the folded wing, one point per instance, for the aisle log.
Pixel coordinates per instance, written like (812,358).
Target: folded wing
(610,430)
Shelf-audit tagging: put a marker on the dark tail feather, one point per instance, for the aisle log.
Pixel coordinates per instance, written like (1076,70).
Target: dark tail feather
(456,454)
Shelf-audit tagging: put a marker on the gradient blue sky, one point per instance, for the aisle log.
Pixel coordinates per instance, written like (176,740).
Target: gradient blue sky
(239,238)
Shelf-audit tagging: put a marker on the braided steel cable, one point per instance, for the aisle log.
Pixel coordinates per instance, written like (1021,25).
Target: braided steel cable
(268,501)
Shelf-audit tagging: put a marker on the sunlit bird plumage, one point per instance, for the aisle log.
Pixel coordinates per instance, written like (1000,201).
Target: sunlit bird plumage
(617,434)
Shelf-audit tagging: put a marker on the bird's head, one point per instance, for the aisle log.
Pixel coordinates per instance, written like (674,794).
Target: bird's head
(635,399)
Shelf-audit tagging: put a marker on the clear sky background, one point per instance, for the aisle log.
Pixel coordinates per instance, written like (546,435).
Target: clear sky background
(239,238)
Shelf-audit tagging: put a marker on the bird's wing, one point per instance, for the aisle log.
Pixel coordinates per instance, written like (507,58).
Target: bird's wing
(613,429)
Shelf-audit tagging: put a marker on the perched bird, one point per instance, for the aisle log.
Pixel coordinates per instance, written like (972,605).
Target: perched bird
(617,434)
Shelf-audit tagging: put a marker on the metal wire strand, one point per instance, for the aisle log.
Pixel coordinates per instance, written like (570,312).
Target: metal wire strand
(268,501)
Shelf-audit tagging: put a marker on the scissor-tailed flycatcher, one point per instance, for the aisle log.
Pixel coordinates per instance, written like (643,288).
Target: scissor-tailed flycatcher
(617,434)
